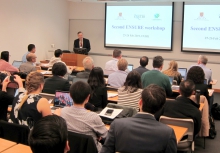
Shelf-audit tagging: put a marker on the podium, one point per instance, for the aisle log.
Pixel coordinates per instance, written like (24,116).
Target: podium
(72,59)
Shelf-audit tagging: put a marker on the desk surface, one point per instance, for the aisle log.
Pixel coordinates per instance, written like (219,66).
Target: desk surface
(113,99)
(19,148)
(6,144)
(179,132)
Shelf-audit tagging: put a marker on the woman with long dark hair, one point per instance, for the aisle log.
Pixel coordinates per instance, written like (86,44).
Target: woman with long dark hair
(4,63)
(130,93)
(98,96)
(197,75)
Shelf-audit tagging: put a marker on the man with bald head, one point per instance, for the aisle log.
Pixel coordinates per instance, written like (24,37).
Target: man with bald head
(28,66)
(143,63)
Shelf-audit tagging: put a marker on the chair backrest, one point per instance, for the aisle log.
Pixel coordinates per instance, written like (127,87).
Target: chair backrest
(80,143)
(66,51)
(127,111)
(14,132)
(75,79)
(187,123)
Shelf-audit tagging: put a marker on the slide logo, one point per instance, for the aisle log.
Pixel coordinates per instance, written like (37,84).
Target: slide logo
(201,17)
(156,16)
(139,16)
(120,17)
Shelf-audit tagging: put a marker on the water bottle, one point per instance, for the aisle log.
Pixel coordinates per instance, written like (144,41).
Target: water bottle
(198,96)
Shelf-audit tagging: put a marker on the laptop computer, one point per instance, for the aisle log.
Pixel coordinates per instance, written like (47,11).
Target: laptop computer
(183,72)
(171,80)
(62,99)
(17,63)
(130,67)
(205,81)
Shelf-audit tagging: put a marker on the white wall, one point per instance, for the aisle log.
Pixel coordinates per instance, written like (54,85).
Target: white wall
(41,22)
(96,12)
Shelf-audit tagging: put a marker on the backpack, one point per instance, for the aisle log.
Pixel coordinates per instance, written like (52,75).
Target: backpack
(212,131)
(216,111)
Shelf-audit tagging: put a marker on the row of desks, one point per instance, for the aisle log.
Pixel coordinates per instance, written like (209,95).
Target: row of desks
(7,146)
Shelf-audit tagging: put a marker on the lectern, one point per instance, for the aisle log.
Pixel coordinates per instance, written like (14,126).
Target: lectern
(72,59)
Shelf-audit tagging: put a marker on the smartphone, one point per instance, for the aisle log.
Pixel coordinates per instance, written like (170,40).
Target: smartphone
(109,112)
(12,78)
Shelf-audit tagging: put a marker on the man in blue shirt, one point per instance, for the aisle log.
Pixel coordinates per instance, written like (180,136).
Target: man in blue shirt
(31,49)
(202,61)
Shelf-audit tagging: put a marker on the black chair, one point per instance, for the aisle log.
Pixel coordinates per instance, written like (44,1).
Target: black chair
(14,132)
(80,143)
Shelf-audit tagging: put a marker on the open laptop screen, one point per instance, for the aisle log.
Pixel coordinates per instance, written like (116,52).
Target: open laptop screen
(17,63)
(183,72)
(130,67)
(62,99)
(171,80)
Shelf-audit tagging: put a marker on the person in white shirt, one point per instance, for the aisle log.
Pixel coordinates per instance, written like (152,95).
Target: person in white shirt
(57,58)
(111,66)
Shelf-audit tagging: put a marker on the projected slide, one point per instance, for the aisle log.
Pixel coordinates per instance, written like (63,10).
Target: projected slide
(201,27)
(139,26)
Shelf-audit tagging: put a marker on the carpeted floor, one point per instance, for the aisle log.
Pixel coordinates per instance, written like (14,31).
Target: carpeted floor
(212,145)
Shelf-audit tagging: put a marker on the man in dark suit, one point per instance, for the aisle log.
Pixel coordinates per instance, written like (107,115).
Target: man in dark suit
(183,106)
(143,63)
(81,42)
(57,82)
(142,133)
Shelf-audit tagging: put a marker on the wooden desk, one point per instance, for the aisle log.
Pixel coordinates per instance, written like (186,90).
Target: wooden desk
(107,126)
(113,99)
(211,91)
(179,132)
(5,144)
(73,59)
(19,148)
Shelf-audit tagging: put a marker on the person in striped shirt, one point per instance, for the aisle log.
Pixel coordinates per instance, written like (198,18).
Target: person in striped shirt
(130,94)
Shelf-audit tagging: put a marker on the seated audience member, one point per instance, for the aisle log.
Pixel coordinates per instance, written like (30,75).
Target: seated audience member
(98,96)
(130,94)
(28,107)
(117,78)
(156,77)
(5,98)
(88,65)
(143,63)
(31,49)
(57,58)
(111,66)
(202,61)
(183,106)
(172,71)
(196,74)
(28,66)
(49,135)
(57,81)
(79,119)
(4,63)
(142,132)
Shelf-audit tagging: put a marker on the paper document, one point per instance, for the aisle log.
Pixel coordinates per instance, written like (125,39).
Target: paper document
(113,115)
(46,72)
(112,94)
